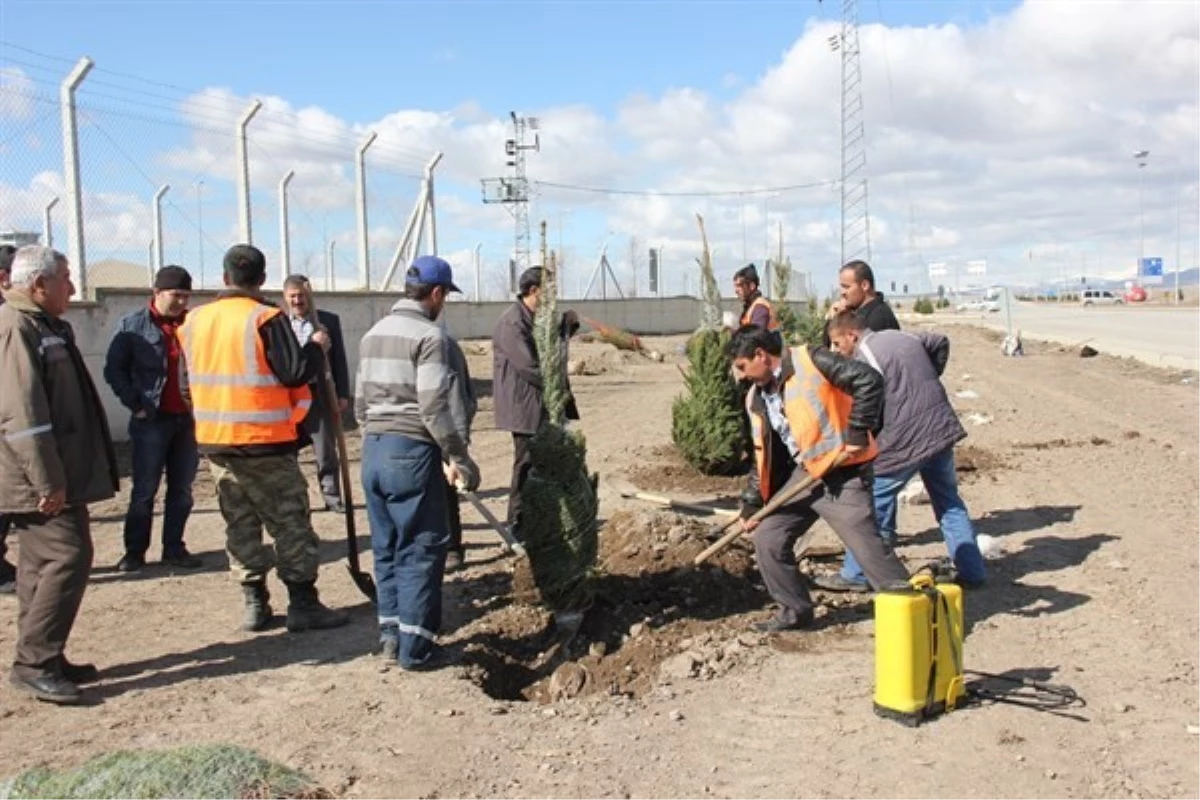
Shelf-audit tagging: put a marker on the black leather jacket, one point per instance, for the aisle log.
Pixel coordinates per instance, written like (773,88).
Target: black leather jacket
(857,379)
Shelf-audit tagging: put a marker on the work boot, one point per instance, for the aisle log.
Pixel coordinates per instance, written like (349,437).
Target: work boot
(258,606)
(306,611)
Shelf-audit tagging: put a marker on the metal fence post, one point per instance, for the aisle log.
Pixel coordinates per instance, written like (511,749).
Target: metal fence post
(360,203)
(70,130)
(285,241)
(244,173)
(47,228)
(158,236)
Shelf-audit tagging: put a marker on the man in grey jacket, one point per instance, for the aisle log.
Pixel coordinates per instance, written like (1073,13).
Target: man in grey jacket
(56,456)
(403,405)
(517,384)
(920,429)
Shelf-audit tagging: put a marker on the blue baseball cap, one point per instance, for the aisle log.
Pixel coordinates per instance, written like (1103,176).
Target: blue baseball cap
(431,271)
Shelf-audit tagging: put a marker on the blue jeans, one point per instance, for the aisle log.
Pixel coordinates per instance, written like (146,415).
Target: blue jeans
(164,443)
(406,504)
(937,472)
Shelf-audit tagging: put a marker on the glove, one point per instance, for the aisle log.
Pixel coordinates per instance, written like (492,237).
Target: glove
(751,503)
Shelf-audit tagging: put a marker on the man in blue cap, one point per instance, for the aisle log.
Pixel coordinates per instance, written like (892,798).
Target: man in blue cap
(403,404)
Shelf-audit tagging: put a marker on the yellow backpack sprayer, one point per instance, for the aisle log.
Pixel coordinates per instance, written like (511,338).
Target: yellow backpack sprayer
(918,649)
(919,675)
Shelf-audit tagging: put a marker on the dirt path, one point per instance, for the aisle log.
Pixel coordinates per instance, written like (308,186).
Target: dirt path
(1086,473)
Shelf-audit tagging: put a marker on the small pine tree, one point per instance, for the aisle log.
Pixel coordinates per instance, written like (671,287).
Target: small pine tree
(789,321)
(559,500)
(706,422)
(810,329)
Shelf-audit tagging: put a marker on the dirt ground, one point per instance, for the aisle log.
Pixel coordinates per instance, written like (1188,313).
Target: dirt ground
(1083,470)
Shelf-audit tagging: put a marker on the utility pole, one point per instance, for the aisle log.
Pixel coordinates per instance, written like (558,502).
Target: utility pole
(856,226)
(513,191)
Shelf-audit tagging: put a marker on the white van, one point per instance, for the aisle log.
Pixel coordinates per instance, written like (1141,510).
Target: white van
(1099,297)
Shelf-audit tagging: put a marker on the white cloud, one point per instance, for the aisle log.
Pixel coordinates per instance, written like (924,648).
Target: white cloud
(16,95)
(985,141)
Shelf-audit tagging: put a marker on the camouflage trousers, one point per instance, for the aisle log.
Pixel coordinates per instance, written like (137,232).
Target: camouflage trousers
(257,492)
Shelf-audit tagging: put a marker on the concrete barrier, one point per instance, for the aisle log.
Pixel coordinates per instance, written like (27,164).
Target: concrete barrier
(94,323)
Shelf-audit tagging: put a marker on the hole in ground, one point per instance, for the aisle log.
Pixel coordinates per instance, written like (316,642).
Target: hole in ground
(651,611)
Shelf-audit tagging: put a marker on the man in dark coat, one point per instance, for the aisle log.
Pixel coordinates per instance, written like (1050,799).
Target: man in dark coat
(920,429)
(517,384)
(297,299)
(57,457)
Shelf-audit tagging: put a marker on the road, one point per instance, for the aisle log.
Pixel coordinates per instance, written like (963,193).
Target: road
(1162,336)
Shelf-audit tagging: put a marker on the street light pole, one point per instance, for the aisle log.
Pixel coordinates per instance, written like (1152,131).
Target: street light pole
(1141,156)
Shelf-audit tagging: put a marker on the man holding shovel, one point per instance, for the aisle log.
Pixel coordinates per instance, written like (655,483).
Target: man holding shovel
(812,414)
(403,405)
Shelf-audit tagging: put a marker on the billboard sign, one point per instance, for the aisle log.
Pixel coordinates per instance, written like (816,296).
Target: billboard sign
(1151,271)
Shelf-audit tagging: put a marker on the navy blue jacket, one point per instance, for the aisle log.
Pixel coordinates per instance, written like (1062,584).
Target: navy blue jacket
(136,364)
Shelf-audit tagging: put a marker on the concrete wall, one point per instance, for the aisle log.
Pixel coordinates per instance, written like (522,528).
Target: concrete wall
(94,323)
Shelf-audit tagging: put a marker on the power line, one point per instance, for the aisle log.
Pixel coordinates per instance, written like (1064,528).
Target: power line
(712,193)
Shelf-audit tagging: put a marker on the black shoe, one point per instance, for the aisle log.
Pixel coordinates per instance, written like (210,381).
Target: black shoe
(48,688)
(837,583)
(182,559)
(455,561)
(336,506)
(785,622)
(79,673)
(8,578)
(8,587)
(130,563)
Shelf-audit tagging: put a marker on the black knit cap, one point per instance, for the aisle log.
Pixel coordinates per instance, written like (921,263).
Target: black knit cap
(173,278)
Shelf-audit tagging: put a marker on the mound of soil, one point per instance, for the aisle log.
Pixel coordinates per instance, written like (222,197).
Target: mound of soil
(663,469)
(652,612)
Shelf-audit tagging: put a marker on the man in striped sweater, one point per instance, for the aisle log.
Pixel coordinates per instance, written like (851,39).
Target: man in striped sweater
(403,405)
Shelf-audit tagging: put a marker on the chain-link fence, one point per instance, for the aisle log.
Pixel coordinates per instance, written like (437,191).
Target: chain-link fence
(159,170)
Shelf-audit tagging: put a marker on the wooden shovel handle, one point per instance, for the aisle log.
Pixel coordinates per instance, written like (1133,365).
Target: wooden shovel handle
(733,529)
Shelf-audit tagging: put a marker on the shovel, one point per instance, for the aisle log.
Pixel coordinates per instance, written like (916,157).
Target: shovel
(628,490)
(511,543)
(362,580)
(733,529)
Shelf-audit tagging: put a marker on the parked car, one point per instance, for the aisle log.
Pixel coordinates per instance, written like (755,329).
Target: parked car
(1099,297)
(1135,295)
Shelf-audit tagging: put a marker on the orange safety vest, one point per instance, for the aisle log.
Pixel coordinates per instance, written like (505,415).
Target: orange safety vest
(818,414)
(772,320)
(236,399)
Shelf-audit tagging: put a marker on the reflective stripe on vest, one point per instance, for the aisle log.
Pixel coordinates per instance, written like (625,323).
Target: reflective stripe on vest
(772,320)
(818,414)
(236,398)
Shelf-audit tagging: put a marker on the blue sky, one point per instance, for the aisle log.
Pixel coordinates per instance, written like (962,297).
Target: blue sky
(438,54)
(996,131)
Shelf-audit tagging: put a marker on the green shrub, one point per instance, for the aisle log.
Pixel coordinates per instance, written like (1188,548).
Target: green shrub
(923,306)
(706,422)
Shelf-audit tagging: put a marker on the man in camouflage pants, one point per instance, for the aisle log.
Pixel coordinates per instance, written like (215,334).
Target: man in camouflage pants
(248,378)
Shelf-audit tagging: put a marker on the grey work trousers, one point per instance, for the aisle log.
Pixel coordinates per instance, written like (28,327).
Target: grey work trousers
(845,502)
(324,442)
(55,562)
